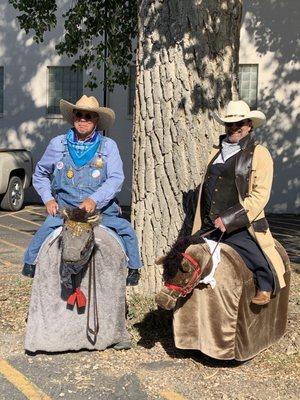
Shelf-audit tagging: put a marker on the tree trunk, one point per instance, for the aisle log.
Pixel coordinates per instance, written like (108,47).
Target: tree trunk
(187,64)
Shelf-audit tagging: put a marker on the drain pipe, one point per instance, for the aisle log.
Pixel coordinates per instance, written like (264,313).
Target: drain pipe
(104,71)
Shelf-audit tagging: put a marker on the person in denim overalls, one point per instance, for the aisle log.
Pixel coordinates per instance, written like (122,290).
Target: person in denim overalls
(83,169)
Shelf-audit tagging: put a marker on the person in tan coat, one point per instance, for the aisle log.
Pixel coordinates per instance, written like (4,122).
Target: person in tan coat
(233,196)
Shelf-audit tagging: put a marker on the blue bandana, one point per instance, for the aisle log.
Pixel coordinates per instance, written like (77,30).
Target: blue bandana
(82,152)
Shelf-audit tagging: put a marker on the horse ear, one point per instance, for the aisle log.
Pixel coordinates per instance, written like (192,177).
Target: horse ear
(64,213)
(94,219)
(160,260)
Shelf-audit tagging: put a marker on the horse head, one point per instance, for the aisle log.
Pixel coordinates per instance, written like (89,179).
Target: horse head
(188,261)
(78,235)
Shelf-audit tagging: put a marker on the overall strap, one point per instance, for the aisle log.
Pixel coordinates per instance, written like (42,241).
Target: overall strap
(65,144)
(102,142)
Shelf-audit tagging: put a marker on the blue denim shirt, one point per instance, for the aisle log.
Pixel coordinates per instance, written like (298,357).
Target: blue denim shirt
(43,174)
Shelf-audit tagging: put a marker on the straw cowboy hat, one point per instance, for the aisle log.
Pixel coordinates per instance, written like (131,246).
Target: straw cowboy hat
(106,115)
(238,111)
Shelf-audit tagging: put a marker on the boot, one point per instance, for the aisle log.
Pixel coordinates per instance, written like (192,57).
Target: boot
(133,277)
(261,298)
(28,270)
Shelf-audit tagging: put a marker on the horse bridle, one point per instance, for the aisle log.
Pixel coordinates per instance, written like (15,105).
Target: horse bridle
(92,287)
(182,291)
(89,260)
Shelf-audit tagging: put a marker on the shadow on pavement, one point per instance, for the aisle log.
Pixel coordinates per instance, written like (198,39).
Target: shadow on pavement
(156,327)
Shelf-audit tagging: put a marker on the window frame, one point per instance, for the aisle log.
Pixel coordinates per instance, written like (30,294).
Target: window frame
(2,89)
(58,115)
(252,106)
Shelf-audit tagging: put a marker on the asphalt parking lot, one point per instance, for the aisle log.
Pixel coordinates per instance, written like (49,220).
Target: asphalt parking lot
(134,375)
(17,229)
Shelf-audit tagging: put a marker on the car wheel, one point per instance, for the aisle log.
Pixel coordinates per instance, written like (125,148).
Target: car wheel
(14,197)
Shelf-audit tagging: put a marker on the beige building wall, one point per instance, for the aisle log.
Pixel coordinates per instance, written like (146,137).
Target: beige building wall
(24,122)
(270,38)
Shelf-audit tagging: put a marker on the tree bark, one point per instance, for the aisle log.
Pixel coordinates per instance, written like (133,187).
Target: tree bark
(187,64)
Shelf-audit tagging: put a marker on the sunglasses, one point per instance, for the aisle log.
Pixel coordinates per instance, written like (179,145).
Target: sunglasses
(86,116)
(238,124)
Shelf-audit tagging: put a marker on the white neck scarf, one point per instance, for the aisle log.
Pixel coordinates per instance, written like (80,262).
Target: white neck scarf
(228,150)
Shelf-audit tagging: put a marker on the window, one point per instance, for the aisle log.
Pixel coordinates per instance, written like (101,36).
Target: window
(248,77)
(1,89)
(63,83)
(131,89)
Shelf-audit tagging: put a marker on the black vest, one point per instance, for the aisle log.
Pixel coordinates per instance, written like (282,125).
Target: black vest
(219,191)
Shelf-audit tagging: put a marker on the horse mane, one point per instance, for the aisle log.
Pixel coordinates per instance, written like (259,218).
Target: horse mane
(77,214)
(172,261)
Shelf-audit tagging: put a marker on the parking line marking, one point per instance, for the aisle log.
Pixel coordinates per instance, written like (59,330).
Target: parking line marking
(13,245)
(282,234)
(10,213)
(276,226)
(169,395)
(295,220)
(21,382)
(26,220)
(16,230)
(36,213)
(279,221)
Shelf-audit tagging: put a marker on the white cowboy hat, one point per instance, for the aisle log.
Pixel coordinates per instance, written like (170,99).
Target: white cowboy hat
(85,103)
(238,111)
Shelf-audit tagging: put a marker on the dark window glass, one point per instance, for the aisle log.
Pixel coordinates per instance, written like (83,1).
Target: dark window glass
(248,78)
(63,83)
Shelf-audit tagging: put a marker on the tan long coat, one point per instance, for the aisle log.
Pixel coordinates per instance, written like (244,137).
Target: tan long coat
(260,184)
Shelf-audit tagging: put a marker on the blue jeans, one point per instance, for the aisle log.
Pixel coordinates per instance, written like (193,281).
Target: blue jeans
(50,224)
(119,224)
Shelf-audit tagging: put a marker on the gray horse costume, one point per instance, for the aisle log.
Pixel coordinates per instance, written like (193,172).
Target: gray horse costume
(52,326)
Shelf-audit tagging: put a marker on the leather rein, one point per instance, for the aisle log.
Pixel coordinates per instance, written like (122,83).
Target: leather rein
(184,290)
(92,292)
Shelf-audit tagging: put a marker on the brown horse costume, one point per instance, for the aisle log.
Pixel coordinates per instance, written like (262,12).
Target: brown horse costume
(220,322)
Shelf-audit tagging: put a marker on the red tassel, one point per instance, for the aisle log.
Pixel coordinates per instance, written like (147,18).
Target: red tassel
(81,299)
(77,296)
(72,298)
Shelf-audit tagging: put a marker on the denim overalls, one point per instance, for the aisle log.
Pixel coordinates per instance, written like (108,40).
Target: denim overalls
(70,186)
